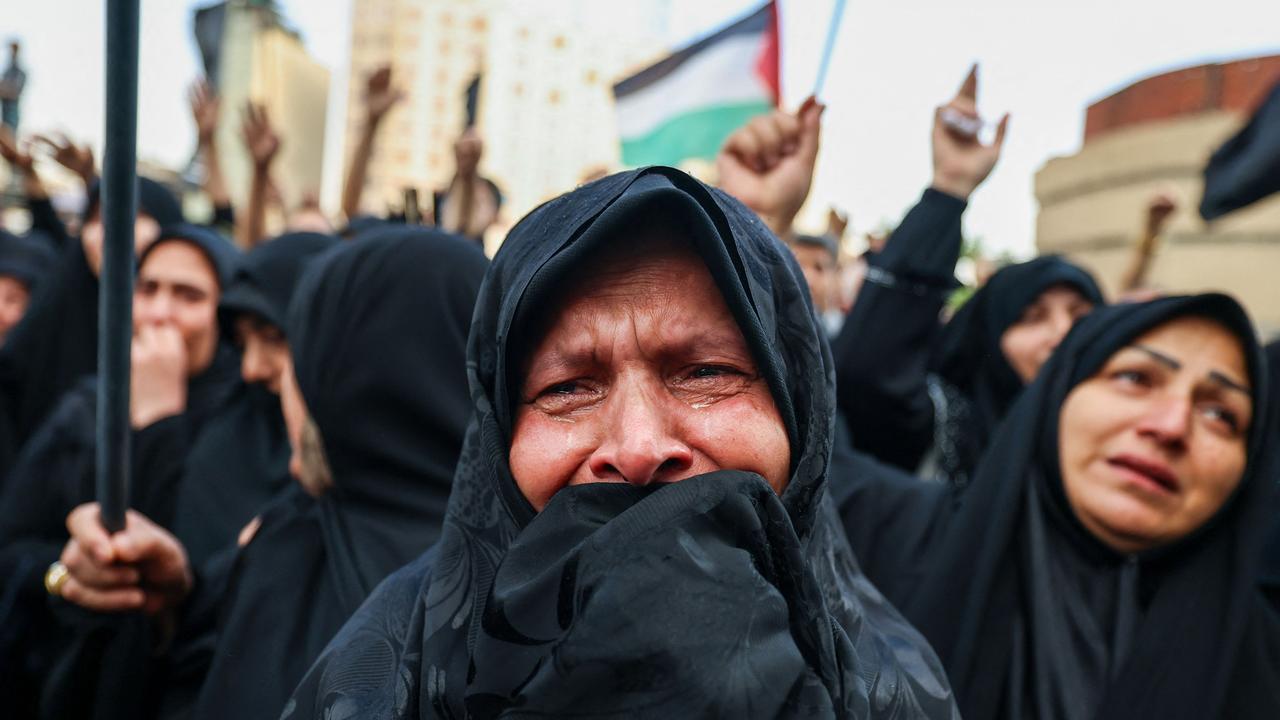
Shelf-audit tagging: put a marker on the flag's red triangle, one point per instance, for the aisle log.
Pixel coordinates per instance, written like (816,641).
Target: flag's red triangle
(767,61)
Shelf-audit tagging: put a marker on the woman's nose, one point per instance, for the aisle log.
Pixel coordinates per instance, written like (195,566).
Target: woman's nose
(641,443)
(1062,322)
(1167,421)
(253,364)
(156,308)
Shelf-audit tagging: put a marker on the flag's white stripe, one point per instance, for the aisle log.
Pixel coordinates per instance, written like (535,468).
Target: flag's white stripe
(723,73)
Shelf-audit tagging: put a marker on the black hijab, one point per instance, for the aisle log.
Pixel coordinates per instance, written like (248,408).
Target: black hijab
(267,275)
(710,596)
(27,258)
(1035,618)
(56,343)
(154,199)
(1270,576)
(378,334)
(241,461)
(969,359)
(222,255)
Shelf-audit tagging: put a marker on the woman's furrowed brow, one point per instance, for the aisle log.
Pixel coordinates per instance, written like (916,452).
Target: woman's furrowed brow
(564,355)
(1222,379)
(1217,376)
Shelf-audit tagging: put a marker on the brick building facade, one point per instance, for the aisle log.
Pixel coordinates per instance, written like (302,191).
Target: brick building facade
(1156,135)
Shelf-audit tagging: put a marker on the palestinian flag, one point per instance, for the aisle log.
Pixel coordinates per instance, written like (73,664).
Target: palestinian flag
(686,105)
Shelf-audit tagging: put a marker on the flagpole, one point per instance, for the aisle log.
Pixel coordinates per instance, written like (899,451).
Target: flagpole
(115,319)
(828,47)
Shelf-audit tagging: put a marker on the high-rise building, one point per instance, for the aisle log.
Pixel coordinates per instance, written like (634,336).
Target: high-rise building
(433,48)
(264,61)
(545,104)
(1156,135)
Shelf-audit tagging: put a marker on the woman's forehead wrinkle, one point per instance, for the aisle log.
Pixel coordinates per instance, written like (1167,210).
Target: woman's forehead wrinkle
(654,303)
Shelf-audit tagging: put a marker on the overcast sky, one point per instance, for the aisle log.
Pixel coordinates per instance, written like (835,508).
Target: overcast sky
(894,61)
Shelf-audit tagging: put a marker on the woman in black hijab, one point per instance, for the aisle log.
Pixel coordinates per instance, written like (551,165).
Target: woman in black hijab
(377,329)
(993,347)
(243,465)
(1103,562)
(56,344)
(925,396)
(25,260)
(627,593)
(55,473)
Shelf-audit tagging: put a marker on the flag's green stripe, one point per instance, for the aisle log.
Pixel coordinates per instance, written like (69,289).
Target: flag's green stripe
(697,134)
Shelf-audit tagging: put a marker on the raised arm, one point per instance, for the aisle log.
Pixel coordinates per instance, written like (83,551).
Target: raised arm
(21,163)
(882,352)
(43,216)
(263,144)
(379,98)
(768,163)
(204,111)
(1159,208)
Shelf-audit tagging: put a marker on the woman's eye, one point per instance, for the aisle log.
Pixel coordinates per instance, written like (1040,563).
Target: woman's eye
(708,371)
(564,388)
(1131,377)
(1223,415)
(1033,314)
(567,397)
(712,372)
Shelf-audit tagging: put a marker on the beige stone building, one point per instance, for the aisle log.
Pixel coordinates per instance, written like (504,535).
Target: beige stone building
(1156,136)
(267,63)
(546,102)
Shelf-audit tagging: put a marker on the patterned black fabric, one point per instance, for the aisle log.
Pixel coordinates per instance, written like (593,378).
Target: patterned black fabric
(712,596)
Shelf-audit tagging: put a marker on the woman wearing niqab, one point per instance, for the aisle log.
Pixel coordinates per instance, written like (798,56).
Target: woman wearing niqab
(1034,613)
(711,596)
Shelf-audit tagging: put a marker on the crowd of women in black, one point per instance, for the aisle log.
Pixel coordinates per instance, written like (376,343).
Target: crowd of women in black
(630,467)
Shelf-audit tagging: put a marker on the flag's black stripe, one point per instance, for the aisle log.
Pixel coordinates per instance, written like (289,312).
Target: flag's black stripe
(755,23)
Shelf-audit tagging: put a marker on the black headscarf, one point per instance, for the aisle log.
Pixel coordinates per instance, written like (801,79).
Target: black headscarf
(1036,618)
(1270,576)
(969,359)
(28,258)
(154,199)
(378,334)
(224,256)
(56,343)
(712,596)
(362,225)
(267,275)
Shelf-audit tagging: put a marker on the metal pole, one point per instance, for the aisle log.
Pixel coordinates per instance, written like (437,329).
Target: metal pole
(115,319)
